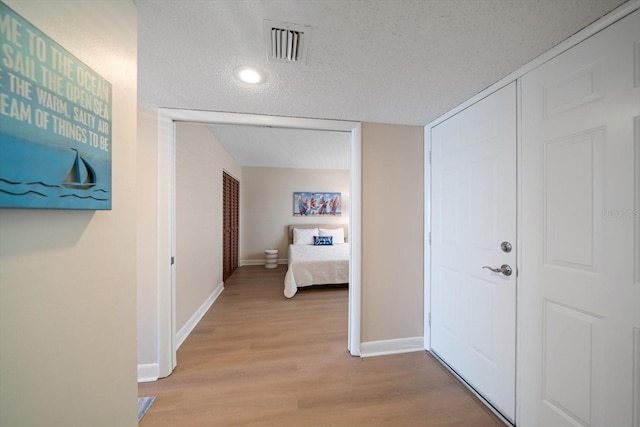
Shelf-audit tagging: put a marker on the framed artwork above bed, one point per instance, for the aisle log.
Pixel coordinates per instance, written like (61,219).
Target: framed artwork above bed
(308,203)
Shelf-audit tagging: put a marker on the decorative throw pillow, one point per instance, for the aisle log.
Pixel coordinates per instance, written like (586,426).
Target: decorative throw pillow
(322,240)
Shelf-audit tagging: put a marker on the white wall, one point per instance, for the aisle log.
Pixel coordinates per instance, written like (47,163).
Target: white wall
(267,206)
(200,161)
(68,278)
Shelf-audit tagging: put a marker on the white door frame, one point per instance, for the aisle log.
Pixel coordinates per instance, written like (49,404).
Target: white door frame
(166,215)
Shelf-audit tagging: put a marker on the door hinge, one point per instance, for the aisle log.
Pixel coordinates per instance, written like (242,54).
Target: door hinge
(429,319)
(173,260)
(429,157)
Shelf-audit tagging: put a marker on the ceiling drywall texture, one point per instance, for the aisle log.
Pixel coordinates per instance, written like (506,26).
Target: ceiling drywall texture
(386,61)
(254,146)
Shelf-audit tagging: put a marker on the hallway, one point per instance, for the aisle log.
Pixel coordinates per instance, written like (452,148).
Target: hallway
(259,359)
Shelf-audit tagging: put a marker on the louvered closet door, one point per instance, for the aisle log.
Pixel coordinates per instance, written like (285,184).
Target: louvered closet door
(230,222)
(580,289)
(235,213)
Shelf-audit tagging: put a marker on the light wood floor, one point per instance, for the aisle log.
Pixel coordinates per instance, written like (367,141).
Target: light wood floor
(259,359)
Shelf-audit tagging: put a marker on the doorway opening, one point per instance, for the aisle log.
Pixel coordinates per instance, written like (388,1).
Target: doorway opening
(167,118)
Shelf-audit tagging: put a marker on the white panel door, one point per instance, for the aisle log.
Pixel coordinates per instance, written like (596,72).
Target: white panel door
(579,289)
(473,319)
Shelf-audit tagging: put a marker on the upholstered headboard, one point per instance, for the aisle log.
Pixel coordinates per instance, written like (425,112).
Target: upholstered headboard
(329,226)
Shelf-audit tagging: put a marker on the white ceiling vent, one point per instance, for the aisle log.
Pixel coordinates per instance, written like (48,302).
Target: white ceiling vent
(286,42)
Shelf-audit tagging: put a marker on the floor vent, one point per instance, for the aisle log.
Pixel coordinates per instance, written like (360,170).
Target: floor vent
(286,42)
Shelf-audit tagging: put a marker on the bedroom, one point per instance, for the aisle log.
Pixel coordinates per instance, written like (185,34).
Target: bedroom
(270,165)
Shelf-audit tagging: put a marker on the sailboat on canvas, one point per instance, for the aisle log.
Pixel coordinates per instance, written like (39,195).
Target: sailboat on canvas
(81,175)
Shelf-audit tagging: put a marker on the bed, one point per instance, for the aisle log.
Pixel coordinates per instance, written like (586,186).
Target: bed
(314,259)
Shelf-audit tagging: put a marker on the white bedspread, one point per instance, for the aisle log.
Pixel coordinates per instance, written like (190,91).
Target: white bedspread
(316,265)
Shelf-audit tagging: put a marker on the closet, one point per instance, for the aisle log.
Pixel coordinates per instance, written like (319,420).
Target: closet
(535,220)
(230,222)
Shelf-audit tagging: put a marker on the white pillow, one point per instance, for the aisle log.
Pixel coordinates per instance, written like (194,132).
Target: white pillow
(337,233)
(304,236)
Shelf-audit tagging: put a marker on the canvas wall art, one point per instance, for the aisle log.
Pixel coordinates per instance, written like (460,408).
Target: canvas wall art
(55,123)
(316,203)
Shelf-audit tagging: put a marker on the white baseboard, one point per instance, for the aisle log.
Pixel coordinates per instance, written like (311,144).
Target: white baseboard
(395,346)
(244,262)
(149,372)
(184,332)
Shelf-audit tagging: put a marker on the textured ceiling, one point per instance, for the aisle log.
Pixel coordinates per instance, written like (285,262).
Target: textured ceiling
(285,148)
(384,61)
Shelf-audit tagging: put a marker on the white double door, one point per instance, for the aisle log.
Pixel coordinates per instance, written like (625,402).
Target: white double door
(578,289)
(473,309)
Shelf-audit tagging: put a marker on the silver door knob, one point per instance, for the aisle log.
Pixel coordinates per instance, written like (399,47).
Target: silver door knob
(504,269)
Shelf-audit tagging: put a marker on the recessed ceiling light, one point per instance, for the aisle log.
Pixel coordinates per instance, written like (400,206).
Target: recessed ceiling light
(249,75)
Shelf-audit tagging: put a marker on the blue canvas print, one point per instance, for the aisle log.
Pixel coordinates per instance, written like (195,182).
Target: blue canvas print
(55,123)
(316,203)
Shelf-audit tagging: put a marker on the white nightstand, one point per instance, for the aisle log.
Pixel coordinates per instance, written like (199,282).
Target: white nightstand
(270,258)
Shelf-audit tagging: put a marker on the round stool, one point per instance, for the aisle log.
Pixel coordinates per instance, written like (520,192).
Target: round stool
(270,258)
